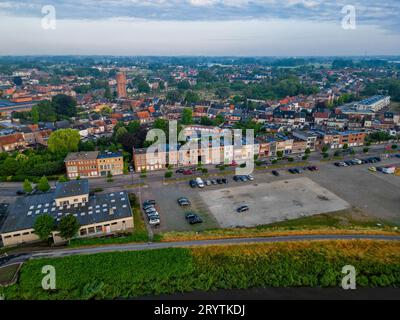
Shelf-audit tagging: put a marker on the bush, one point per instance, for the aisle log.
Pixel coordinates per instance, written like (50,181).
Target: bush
(204,170)
(168,174)
(290,159)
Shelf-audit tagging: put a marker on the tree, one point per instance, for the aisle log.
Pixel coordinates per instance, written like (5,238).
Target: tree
(43,226)
(191,97)
(65,105)
(35,115)
(68,227)
(187,116)
(174,96)
(27,186)
(308,151)
(184,85)
(43,184)
(325,149)
(62,179)
(279,154)
(346,146)
(120,133)
(143,87)
(223,93)
(63,141)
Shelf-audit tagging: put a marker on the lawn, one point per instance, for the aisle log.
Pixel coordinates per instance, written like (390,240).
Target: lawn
(166,271)
(352,221)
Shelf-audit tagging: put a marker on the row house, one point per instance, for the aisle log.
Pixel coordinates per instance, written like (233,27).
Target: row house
(94,164)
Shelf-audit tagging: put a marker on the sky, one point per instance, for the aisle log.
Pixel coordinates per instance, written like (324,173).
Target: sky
(199,27)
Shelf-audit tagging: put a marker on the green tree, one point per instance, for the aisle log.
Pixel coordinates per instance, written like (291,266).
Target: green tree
(143,87)
(35,115)
(191,97)
(308,151)
(28,186)
(68,227)
(346,146)
(65,105)
(43,226)
(279,154)
(43,184)
(63,141)
(62,179)
(187,116)
(325,149)
(120,133)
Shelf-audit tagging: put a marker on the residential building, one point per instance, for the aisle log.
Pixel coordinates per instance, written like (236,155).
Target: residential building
(94,164)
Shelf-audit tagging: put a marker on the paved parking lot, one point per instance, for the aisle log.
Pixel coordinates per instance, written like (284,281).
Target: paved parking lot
(377,194)
(275,199)
(271,202)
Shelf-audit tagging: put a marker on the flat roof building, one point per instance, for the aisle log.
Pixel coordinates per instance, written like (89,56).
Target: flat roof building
(97,215)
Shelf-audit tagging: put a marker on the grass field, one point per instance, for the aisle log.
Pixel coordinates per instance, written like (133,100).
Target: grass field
(141,273)
(352,221)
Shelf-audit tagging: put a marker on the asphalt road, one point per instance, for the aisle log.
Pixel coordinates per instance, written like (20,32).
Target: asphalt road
(183,244)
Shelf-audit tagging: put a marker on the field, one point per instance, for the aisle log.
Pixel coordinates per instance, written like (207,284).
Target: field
(142,273)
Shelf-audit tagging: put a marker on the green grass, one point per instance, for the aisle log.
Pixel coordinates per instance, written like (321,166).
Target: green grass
(166,271)
(7,274)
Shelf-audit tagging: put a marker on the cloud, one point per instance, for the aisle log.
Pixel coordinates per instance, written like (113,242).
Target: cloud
(383,14)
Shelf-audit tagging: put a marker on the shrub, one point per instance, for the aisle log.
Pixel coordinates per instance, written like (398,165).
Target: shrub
(168,174)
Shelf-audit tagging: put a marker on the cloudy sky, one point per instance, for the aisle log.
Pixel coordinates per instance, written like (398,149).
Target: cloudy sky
(200,27)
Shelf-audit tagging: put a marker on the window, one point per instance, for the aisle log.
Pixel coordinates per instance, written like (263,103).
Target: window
(83,232)
(91,230)
(114,223)
(99,229)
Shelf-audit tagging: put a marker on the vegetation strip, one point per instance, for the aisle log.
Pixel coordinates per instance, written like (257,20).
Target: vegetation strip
(166,271)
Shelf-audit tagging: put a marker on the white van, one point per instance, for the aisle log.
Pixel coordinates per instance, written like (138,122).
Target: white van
(200,182)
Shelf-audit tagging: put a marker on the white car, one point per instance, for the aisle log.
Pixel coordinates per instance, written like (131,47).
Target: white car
(154,221)
(250,177)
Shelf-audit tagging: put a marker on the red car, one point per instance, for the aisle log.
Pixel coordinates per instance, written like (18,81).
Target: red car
(187,172)
(234,164)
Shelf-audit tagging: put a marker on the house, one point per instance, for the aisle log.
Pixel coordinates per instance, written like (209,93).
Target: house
(98,215)
(12,142)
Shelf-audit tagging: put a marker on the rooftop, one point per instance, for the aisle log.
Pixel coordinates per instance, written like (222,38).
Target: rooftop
(90,155)
(71,188)
(100,208)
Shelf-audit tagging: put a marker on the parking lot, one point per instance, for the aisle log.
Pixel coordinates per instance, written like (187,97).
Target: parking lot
(272,199)
(377,194)
(271,202)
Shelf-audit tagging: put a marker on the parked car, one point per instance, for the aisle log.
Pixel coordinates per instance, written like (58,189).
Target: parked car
(250,177)
(275,173)
(243,209)
(20,192)
(187,172)
(184,202)
(193,183)
(193,218)
(208,183)
(179,171)
(372,169)
(219,181)
(236,178)
(154,221)
(149,202)
(292,171)
(200,183)
(214,182)
(224,181)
